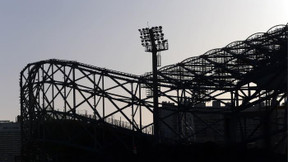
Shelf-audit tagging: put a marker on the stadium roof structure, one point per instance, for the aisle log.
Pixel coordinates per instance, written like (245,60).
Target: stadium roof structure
(240,76)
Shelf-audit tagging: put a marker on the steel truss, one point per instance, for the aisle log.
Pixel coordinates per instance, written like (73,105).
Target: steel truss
(247,79)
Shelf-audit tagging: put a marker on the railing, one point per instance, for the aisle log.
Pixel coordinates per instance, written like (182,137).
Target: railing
(119,123)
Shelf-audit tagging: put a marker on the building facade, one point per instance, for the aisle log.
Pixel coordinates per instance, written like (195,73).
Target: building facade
(10,141)
(204,123)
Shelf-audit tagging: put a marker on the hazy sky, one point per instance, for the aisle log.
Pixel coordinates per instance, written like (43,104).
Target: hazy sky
(105,33)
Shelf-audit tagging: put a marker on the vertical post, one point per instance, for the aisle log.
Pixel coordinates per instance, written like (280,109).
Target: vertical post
(153,41)
(43,88)
(53,91)
(155,87)
(65,93)
(94,96)
(74,93)
(103,98)
(38,77)
(22,113)
(140,109)
(132,106)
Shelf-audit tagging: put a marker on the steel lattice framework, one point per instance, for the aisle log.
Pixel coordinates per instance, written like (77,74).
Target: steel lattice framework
(248,80)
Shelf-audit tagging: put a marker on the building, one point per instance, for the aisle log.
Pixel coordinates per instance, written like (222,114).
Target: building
(10,141)
(203,123)
(169,123)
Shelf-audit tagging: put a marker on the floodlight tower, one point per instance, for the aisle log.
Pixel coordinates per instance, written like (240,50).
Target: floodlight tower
(153,41)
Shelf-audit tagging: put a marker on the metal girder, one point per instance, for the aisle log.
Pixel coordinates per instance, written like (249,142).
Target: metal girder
(247,79)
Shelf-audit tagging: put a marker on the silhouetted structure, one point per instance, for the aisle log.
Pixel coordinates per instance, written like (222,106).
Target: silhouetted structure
(153,41)
(231,96)
(10,141)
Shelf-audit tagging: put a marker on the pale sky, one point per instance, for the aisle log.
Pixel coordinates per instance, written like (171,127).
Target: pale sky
(105,33)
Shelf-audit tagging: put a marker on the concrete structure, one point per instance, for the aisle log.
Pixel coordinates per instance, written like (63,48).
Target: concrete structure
(10,141)
(201,124)
(168,125)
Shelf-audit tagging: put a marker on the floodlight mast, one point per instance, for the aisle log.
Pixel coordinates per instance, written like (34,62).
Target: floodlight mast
(153,41)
